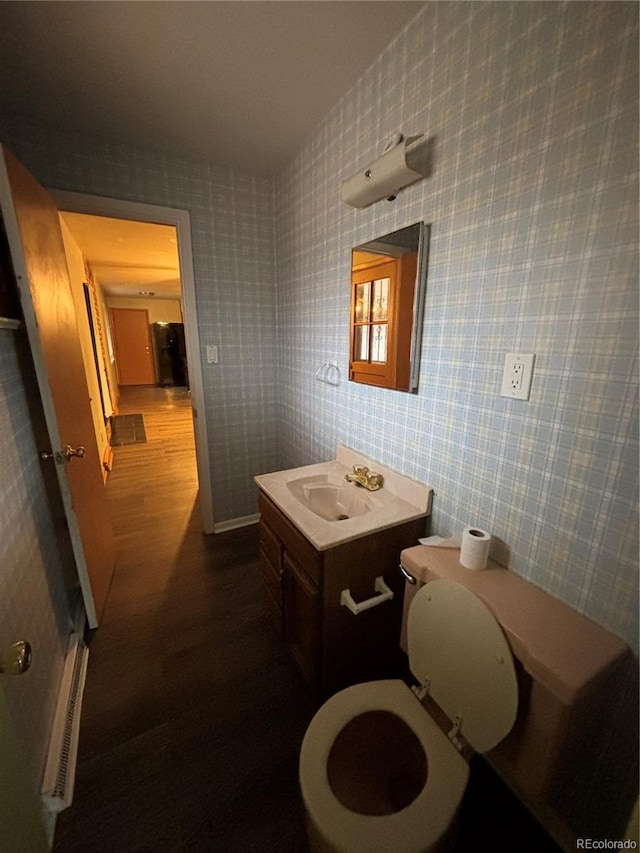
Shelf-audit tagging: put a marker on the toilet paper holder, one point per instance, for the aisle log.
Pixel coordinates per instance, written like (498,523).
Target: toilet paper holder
(386,594)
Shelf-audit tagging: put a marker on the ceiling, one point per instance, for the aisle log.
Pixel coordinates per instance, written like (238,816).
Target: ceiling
(129,258)
(240,83)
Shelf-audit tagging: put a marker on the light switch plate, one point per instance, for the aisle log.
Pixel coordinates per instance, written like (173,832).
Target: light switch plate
(517,375)
(212,354)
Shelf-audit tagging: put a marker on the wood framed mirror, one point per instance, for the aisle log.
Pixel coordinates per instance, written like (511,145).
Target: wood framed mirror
(388,283)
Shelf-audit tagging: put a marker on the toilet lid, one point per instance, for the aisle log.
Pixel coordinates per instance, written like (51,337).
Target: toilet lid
(457,645)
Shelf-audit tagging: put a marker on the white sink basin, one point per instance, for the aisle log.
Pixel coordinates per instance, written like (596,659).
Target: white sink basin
(328,510)
(328,500)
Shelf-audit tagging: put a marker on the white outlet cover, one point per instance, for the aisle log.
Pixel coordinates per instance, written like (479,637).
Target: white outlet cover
(517,365)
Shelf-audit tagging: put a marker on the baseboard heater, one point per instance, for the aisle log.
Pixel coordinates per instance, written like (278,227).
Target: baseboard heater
(60,770)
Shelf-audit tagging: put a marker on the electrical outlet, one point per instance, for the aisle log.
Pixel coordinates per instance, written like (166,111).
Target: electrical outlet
(212,354)
(516,371)
(517,375)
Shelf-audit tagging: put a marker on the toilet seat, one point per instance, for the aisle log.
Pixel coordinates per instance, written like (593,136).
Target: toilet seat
(405,831)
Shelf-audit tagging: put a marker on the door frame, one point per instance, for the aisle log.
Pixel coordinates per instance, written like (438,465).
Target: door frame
(74,202)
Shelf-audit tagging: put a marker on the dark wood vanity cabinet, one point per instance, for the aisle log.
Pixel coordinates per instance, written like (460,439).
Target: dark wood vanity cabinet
(301,611)
(302,586)
(271,563)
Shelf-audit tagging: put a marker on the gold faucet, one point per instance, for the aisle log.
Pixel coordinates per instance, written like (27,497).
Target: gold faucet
(361,476)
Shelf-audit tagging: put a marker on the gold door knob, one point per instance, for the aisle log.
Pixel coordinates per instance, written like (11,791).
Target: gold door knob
(78,451)
(66,455)
(16,659)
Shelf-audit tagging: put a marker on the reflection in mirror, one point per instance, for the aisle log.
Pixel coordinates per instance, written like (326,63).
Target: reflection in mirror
(388,281)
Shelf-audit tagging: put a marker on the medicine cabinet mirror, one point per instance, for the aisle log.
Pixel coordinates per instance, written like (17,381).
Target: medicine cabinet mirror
(388,282)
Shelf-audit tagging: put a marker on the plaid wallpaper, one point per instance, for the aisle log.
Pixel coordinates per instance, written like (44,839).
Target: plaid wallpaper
(33,595)
(532,203)
(533,208)
(232,233)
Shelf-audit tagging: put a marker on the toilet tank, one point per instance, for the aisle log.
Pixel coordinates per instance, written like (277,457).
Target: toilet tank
(571,756)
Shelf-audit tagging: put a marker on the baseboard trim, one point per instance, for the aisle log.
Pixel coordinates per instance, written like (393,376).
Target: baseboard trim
(236,523)
(60,770)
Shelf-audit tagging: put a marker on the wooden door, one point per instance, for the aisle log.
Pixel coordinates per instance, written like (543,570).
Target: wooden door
(373,297)
(37,252)
(132,344)
(382,297)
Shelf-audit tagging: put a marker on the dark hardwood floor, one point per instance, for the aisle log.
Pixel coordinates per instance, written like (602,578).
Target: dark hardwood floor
(193,713)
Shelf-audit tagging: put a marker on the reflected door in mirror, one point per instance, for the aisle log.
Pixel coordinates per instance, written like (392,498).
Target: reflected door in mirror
(382,297)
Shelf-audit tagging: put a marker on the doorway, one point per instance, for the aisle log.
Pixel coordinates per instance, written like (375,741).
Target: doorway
(71,202)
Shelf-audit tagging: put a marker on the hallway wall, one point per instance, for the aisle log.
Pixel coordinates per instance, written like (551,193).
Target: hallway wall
(233,241)
(160,310)
(34,597)
(77,276)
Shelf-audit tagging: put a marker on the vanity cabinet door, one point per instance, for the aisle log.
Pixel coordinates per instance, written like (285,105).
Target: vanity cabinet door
(271,552)
(301,599)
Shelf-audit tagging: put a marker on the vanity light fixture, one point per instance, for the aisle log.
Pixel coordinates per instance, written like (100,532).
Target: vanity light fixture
(403,162)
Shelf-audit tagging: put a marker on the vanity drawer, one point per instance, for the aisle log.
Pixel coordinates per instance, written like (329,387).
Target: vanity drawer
(271,546)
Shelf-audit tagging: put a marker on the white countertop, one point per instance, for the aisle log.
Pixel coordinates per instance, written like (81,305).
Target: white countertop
(400,499)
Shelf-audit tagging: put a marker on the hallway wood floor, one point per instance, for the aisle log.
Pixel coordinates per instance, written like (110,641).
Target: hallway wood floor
(193,713)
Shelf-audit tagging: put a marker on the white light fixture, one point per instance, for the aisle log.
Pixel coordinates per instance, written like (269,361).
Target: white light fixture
(403,162)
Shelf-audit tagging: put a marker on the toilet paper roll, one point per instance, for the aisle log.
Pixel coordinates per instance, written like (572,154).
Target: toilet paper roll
(474,550)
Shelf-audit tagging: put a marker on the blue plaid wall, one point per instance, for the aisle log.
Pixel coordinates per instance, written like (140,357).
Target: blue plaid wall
(34,599)
(533,213)
(232,233)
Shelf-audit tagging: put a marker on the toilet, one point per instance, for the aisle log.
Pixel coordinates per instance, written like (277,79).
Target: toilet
(378,774)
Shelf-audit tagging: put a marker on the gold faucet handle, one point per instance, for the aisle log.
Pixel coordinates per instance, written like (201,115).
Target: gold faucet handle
(360,470)
(374,481)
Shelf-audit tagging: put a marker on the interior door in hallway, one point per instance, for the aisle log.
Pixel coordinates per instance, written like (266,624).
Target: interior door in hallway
(132,343)
(37,252)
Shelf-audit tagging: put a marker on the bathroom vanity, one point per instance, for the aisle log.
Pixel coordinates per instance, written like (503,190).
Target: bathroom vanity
(324,544)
